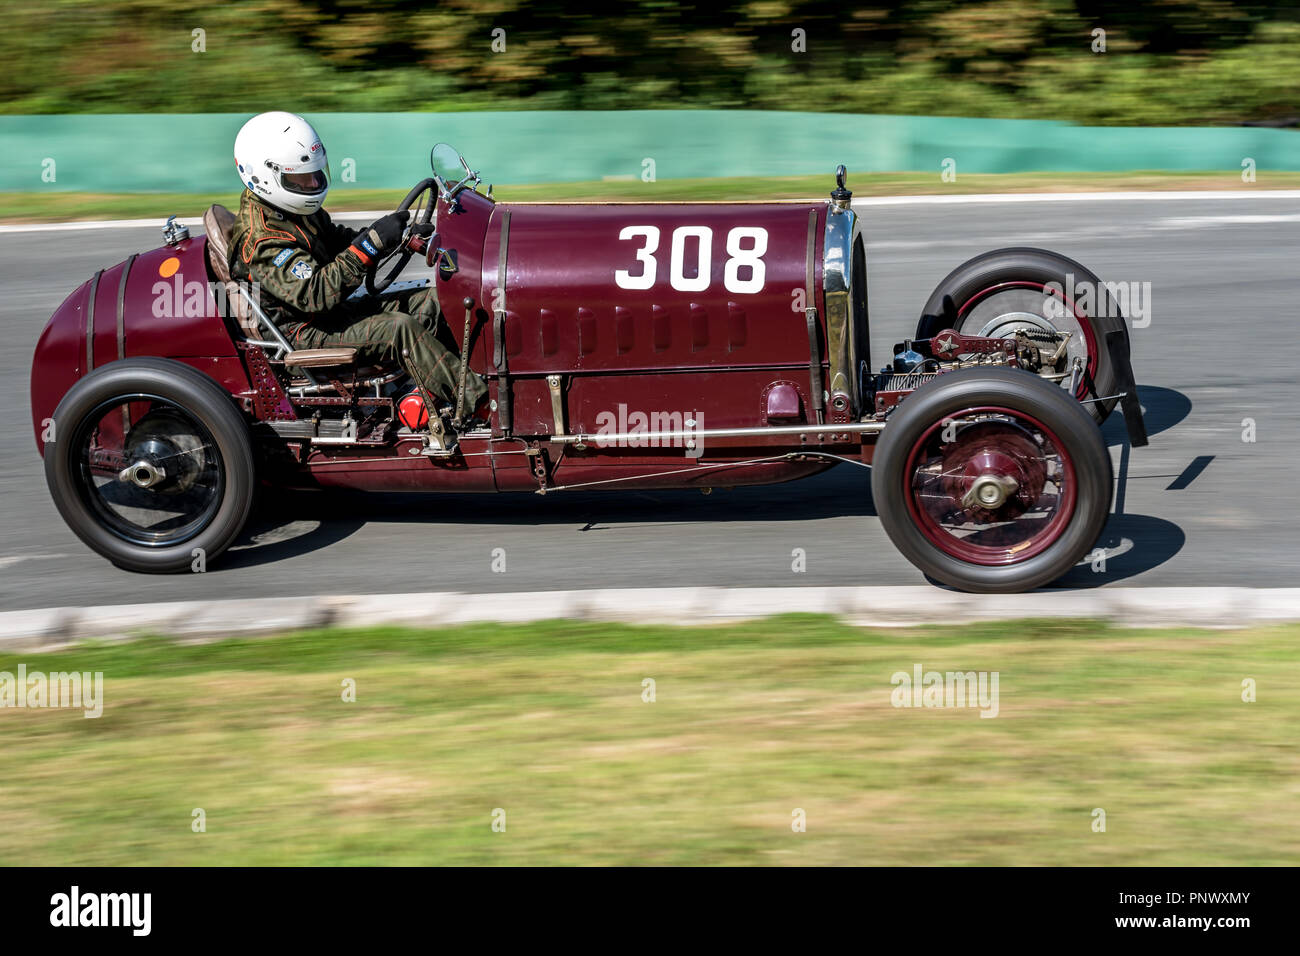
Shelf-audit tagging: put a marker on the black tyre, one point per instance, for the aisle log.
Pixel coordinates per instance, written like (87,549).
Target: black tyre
(151,465)
(992,480)
(1008,290)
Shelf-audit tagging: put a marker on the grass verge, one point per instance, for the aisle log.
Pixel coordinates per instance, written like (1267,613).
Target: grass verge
(749,722)
(69,206)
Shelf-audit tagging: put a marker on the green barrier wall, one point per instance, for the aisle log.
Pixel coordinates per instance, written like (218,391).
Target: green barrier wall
(192,152)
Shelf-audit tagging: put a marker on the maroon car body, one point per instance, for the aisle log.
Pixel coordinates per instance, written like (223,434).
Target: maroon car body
(664,345)
(630,348)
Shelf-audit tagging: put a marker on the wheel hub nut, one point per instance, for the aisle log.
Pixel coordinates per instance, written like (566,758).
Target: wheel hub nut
(143,474)
(990,492)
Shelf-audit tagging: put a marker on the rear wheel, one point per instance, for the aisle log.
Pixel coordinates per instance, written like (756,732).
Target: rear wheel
(151,465)
(1041,295)
(992,480)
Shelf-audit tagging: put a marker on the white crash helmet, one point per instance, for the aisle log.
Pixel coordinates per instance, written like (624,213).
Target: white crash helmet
(282,160)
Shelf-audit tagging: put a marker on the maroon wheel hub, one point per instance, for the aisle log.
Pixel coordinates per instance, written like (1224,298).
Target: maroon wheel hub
(990,486)
(993,471)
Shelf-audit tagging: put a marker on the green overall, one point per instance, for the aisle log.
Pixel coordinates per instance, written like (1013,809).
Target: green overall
(306,268)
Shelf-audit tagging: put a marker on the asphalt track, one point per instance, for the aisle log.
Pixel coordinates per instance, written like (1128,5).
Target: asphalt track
(1199,507)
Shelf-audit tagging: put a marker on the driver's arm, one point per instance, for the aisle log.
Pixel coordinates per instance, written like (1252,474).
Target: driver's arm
(337,237)
(292,276)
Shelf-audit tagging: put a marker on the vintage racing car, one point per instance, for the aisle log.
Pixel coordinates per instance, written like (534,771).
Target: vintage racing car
(625,346)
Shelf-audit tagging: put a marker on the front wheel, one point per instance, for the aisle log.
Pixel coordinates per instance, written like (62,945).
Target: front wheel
(151,465)
(992,480)
(1055,304)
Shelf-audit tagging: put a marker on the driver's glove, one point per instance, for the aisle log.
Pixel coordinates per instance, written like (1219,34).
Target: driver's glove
(384,233)
(422,229)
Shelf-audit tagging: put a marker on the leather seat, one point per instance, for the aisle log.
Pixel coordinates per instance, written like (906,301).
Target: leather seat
(218,222)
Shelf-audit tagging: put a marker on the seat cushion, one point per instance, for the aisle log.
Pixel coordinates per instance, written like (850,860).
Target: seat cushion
(320,358)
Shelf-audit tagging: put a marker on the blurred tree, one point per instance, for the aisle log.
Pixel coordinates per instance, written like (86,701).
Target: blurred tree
(1171,61)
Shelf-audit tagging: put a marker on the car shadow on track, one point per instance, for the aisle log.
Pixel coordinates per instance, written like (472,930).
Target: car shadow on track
(1132,543)
(277,537)
(287,524)
(843,491)
(1162,409)
(1128,546)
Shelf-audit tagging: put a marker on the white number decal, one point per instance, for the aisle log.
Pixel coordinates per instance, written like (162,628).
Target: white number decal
(677,267)
(753,258)
(623,278)
(738,258)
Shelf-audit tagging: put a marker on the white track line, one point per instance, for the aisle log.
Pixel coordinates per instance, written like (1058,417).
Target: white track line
(89,225)
(869,606)
(1135,196)
(936,200)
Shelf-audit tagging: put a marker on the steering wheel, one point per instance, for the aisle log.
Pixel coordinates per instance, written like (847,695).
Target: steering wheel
(423,214)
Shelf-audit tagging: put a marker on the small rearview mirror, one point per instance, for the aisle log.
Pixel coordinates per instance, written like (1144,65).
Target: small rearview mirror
(447,164)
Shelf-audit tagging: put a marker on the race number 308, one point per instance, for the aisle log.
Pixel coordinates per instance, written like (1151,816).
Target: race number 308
(744,271)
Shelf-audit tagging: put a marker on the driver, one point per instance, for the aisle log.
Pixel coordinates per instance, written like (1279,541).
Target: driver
(307,266)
